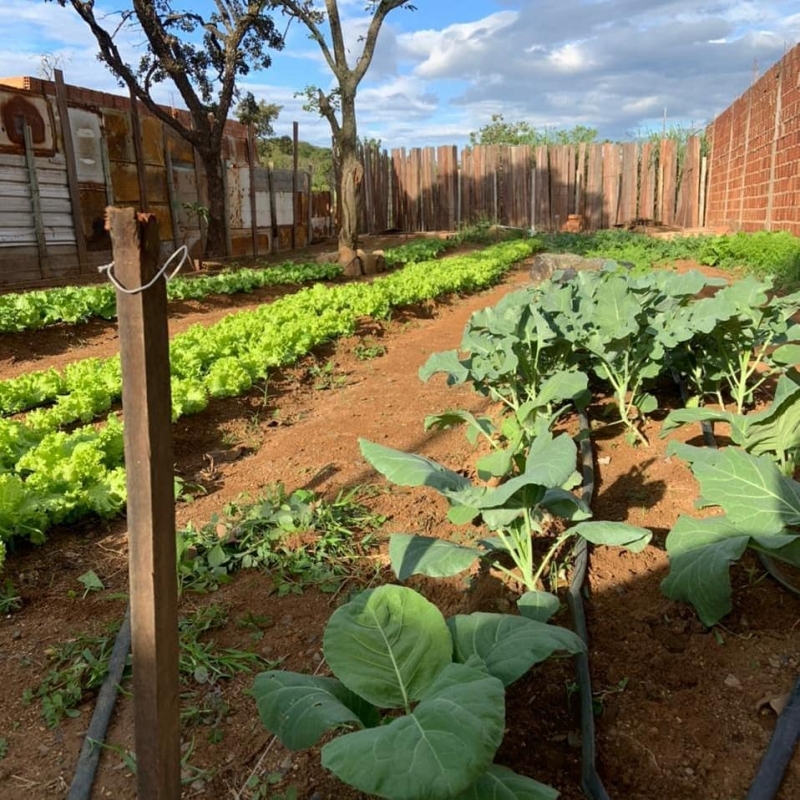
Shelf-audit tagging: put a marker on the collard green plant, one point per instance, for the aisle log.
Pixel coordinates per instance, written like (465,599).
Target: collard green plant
(516,511)
(441,682)
(761,510)
(774,431)
(624,328)
(742,337)
(513,355)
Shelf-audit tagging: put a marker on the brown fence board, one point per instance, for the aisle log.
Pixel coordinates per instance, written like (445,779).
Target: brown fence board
(542,201)
(593,202)
(611,178)
(668,173)
(629,184)
(647,185)
(559,184)
(687,213)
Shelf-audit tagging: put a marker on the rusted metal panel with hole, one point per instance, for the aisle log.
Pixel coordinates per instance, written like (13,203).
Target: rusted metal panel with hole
(35,111)
(119,136)
(93,206)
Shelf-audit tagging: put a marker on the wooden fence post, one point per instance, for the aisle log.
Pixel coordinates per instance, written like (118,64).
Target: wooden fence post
(252,158)
(36,201)
(295,214)
(144,352)
(72,169)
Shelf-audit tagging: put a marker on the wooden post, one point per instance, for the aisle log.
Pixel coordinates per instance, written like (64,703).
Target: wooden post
(252,157)
(226,204)
(36,202)
(310,236)
(273,211)
(171,195)
(703,182)
(138,150)
(295,131)
(72,169)
(144,352)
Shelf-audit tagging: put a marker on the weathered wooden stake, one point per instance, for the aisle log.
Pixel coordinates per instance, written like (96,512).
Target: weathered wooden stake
(36,201)
(295,213)
(144,350)
(72,169)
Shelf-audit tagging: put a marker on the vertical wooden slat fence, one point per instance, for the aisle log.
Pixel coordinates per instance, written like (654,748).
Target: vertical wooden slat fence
(427,189)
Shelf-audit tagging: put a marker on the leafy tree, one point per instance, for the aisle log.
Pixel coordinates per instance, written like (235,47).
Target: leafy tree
(339,106)
(258,113)
(203,55)
(280,151)
(498,131)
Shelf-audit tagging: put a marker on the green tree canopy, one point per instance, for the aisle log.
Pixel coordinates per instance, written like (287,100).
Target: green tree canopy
(498,131)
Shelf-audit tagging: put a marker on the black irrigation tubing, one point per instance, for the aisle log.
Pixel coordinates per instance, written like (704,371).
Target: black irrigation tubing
(590,780)
(781,746)
(83,779)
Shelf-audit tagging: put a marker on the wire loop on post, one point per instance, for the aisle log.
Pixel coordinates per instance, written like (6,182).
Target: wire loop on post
(183,251)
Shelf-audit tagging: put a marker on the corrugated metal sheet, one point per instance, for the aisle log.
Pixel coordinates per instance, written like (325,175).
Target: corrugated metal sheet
(16,220)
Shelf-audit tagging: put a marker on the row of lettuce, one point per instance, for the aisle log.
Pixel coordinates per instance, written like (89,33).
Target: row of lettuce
(49,475)
(24,311)
(425,714)
(763,253)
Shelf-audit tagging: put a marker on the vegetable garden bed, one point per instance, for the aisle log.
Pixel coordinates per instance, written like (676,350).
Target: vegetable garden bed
(682,712)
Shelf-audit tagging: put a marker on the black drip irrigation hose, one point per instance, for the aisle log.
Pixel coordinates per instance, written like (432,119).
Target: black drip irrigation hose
(82,781)
(590,780)
(781,746)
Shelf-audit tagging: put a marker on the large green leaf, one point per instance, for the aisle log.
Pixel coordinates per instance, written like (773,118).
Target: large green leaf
(427,555)
(387,645)
(408,469)
(700,554)
(561,385)
(447,362)
(685,416)
(539,606)
(299,709)
(551,461)
(447,419)
(614,534)
(751,490)
(508,645)
(500,783)
(439,750)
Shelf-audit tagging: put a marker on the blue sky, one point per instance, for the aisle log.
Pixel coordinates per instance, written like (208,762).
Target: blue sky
(443,70)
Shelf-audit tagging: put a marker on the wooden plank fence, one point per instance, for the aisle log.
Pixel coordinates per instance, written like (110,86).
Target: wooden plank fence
(608,185)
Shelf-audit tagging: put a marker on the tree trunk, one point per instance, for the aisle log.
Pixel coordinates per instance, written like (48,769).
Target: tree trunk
(351,175)
(215,234)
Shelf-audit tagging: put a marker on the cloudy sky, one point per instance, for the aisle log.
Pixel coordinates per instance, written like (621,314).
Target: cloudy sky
(441,71)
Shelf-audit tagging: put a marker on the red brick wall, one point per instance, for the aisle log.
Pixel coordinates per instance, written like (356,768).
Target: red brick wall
(754,169)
